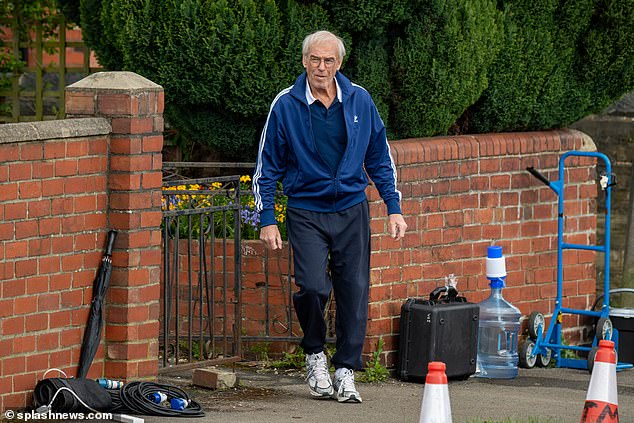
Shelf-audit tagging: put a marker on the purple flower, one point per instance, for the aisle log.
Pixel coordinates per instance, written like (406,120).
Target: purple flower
(250,217)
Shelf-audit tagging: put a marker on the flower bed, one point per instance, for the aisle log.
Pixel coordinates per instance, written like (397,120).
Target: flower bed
(203,196)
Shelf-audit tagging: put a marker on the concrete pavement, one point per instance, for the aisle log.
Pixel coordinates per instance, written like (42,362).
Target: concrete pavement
(549,395)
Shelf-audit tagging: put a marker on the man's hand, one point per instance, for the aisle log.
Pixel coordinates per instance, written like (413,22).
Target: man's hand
(397,226)
(271,237)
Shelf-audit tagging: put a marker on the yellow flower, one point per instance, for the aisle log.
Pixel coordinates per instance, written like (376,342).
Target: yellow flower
(216,185)
(245,178)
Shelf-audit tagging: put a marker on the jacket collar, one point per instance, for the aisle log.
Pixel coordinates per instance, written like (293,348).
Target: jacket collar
(300,88)
(310,99)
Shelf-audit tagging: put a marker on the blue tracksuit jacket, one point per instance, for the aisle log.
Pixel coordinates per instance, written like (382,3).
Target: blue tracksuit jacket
(287,150)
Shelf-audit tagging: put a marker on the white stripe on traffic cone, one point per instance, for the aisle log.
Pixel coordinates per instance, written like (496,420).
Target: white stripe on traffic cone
(435,407)
(602,404)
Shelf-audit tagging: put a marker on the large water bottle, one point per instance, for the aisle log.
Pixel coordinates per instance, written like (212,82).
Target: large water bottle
(499,325)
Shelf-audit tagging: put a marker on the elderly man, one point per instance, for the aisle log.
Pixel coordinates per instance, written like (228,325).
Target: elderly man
(324,136)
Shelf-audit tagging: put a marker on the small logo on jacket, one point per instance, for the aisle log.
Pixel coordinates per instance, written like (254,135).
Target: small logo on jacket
(356,119)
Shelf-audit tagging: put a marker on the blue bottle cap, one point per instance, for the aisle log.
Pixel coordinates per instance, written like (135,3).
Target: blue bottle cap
(497,283)
(494,251)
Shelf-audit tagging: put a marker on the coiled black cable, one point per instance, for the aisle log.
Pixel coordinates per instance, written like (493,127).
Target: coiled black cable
(133,399)
(117,405)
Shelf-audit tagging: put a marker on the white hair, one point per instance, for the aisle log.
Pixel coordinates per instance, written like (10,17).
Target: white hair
(321,37)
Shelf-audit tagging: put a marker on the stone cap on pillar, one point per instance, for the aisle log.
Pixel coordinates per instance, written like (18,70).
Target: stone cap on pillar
(115,82)
(118,95)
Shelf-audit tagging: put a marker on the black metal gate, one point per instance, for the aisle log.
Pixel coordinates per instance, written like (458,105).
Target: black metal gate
(211,300)
(200,301)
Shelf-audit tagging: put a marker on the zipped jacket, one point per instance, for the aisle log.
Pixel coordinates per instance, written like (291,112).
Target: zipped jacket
(287,151)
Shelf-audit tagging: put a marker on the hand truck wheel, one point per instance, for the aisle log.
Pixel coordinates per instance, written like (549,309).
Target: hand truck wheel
(524,351)
(591,355)
(535,320)
(543,360)
(604,329)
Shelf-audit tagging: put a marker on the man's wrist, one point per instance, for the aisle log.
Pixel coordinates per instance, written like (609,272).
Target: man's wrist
(267,218)
(393,207)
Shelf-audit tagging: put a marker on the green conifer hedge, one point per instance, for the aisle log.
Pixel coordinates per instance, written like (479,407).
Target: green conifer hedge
(432,66)
(560,61)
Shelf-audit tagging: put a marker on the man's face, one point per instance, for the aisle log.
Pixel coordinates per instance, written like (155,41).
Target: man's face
(321,64)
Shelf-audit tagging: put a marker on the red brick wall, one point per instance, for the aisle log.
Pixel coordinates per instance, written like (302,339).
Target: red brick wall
(217,273)
(63,185)
(254,295)
(52,218)
(462,194)
(134,106)
(60,195)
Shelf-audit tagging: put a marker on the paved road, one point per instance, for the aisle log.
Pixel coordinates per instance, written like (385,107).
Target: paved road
(551,395)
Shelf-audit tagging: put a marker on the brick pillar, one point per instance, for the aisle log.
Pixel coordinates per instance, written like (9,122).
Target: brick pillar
(134,106)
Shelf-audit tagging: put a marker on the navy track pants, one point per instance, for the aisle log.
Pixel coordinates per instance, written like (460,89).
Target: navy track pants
(339,241)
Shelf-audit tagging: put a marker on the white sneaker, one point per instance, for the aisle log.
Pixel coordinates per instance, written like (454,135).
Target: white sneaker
(344,386)
(317,375)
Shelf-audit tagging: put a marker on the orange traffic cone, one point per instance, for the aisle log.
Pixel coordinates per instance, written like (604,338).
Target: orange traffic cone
(601,402)
(435,407)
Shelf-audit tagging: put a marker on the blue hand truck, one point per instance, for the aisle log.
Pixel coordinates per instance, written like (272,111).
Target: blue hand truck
(541,347)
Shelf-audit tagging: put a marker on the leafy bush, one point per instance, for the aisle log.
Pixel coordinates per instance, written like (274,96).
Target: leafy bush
(560,62)
(432,67)
(606,63)
(98,20)
(220,62)
(220,130)
(369,18)
(298,20)
(442,63)
(371,71)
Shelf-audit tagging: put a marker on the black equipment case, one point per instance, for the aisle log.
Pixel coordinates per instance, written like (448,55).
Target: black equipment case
(439,329)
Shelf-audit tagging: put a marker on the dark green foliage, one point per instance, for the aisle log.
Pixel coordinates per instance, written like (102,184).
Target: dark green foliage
(100,33)
(369,67)
(215,53)
(606,63)
(442,62)
(224,132)
(561,61)
(221,62)
(70,10)
(298,20)
(365,27)
(431,66)
(370,17)
(23,17)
